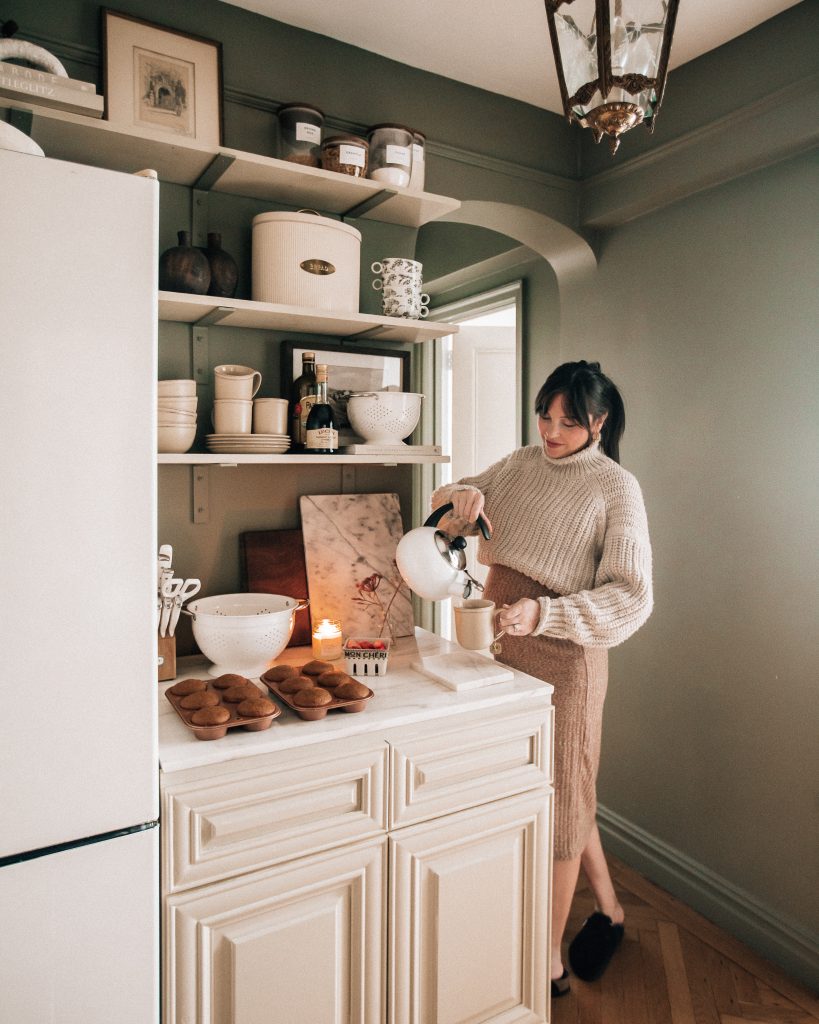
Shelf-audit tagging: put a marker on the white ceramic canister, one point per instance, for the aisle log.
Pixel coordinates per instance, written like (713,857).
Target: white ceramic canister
(304,259)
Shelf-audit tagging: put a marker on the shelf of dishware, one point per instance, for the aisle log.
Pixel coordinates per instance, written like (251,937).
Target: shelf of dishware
(85,140)
(209,311)
(225,459)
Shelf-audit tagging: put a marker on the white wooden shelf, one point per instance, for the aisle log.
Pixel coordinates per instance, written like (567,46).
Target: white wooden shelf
(208,311)
(85,140)
(226,459)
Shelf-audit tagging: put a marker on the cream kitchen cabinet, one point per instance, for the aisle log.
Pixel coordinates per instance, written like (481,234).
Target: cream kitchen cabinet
(389,866)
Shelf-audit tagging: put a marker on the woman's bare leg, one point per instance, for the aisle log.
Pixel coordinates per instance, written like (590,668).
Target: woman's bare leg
(596,870)
(564,883)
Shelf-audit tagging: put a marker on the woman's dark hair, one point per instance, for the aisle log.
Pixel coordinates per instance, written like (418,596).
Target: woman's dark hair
(587,394)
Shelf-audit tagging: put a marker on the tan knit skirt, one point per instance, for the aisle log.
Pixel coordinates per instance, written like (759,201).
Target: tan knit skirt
(579,676)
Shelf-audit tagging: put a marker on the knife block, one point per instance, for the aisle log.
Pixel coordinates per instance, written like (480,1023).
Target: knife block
(166,650)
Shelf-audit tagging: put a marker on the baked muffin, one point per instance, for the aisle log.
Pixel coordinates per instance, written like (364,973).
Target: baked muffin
(278,673)
(235,694)
(256,707)
(330,680)
(194,701)
(313,697)
(351,690)
(315,668)
(189,686)
(210,716)
(229,679)
(295,683)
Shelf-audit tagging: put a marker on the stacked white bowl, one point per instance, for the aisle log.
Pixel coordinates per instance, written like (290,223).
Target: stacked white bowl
(176,415)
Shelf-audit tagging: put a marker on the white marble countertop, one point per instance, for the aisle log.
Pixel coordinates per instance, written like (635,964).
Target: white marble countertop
(402,697)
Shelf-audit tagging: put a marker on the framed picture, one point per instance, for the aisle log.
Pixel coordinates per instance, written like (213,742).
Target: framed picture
(161,80)
(348,369)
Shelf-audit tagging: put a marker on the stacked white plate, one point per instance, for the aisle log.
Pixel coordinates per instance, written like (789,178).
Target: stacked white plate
(248,444)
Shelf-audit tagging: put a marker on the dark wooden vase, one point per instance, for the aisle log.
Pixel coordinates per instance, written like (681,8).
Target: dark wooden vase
(184,268)
(224,274)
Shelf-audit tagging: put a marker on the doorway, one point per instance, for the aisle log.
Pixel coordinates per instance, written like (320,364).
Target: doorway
(478,406)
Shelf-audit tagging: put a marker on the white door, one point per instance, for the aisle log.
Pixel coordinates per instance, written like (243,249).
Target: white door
(77,520)
(470,915)
(484,408)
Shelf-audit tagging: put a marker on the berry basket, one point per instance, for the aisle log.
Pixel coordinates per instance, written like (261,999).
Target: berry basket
(366,655)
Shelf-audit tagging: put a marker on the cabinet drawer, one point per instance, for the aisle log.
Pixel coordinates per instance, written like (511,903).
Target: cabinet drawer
(434,772)
(284,806)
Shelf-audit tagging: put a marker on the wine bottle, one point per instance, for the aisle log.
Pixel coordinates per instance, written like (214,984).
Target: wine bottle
(302,396)
(321,431)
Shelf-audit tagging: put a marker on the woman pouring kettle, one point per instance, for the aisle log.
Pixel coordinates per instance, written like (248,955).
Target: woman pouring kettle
(570,569)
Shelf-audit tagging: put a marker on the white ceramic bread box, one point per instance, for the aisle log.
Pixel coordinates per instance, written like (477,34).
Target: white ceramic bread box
(306,260)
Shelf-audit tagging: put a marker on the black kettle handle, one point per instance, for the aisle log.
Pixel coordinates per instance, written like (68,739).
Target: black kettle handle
(438,514)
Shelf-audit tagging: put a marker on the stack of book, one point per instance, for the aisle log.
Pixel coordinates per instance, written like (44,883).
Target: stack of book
(22,83)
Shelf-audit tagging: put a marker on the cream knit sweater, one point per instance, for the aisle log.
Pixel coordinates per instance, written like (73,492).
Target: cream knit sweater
(578,526)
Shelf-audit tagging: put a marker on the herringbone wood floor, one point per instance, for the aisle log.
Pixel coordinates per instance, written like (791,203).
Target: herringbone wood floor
(675,967)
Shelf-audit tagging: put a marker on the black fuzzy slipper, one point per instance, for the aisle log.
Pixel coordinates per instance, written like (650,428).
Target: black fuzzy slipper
(561,986)
(594,945)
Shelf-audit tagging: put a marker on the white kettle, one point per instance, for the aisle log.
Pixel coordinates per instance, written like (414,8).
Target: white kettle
(433,564)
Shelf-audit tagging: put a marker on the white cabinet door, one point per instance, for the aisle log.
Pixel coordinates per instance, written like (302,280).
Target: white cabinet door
(300,943)
(469,900)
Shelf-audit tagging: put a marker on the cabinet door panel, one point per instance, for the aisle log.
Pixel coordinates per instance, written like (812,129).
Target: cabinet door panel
(297,943)
(470,897)
(448,769)
(284,808)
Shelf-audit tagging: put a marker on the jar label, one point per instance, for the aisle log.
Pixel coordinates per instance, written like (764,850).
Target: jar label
(417,153)
(307,132)
(324,437)
(398,155)
(353,155)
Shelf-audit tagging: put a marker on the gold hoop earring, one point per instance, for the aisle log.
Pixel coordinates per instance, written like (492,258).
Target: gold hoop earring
(596,437)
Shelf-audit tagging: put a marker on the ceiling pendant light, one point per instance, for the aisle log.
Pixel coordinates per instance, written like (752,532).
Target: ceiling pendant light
(612,61)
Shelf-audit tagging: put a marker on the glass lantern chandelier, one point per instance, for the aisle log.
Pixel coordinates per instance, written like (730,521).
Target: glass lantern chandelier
(612,60)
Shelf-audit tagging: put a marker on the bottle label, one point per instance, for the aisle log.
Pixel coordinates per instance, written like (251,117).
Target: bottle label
(324,437)
(398,155)
(307,132)
(352,155)
(305,405)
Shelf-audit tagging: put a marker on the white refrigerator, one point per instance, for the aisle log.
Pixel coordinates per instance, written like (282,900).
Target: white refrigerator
(79,892)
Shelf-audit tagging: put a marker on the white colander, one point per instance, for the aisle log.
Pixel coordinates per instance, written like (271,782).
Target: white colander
(243,633)
(384,417)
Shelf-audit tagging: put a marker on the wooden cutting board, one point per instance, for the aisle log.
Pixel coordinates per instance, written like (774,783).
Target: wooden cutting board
(272,562)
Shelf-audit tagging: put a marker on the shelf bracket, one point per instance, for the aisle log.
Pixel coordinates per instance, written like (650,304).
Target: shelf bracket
(214,171)
(215,316)
(199,355)
(369,204)
(199,216)
(200,494)
(348,479)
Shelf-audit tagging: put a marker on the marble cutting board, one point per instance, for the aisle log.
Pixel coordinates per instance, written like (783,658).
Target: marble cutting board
(349,543)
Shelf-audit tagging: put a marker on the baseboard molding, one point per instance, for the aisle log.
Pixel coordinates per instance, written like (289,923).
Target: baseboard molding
(785,943)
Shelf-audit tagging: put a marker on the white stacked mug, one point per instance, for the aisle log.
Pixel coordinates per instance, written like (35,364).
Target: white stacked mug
(234,387)
(176,414)
(400,283)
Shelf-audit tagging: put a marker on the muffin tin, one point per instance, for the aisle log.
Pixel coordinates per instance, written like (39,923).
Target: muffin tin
(314,714)
(216,732)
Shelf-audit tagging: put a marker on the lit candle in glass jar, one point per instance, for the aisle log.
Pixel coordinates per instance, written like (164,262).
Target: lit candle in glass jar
(327,641)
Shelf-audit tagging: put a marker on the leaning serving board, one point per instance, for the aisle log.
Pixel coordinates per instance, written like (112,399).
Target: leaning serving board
(272,562)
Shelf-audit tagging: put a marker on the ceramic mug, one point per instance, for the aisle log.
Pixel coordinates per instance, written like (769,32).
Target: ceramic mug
(270,416)
(233,381)
(232,415)
(399,264)
(401,303)
(475,624)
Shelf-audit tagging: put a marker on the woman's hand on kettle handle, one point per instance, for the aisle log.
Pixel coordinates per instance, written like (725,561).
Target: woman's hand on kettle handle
(468,504)
(520,618)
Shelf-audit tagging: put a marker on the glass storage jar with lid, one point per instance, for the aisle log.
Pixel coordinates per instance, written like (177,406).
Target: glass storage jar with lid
(300,133)
(419,146)
(390,154)
(345,154)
